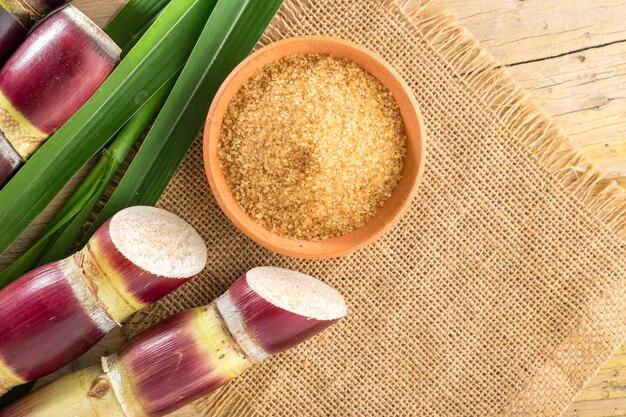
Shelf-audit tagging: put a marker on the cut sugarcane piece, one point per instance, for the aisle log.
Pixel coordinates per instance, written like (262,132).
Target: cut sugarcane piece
(50,76)
(174,363)
(139,256)
(270,309)
(55,313)
(197,351)
(16,19)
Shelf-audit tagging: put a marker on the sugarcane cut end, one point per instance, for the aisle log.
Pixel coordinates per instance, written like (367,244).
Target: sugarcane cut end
(158,241)
(99,37)
(297,293)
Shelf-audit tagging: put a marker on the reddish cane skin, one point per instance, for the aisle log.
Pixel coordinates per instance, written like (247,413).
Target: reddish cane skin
(6,170)
(11,34)
(8,164)
(42,325)
(275,329)
(141,284)
(54,72)
(168,369)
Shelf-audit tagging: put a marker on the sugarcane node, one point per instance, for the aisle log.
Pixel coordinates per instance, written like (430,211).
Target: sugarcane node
(100,387)
(89,271)
(5,385)
(25,14)
(231,341)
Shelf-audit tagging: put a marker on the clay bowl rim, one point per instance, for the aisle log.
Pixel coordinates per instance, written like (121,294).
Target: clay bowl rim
(391,211)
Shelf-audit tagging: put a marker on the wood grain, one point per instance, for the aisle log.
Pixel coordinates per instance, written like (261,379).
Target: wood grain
(572,55)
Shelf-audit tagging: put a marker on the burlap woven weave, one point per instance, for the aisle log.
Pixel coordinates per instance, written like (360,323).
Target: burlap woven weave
(499,293)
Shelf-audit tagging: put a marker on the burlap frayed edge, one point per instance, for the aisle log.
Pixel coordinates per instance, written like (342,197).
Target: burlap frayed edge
(604,199)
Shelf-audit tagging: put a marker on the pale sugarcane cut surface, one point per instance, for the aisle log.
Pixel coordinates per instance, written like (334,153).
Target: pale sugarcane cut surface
(194,352)
(55,313)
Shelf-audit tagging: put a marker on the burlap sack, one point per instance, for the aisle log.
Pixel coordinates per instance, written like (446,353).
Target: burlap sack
(499,293)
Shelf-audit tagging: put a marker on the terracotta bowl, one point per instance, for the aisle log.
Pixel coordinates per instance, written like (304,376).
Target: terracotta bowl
(393,208)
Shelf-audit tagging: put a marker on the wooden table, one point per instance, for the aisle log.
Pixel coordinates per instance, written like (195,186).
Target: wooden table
(571,54)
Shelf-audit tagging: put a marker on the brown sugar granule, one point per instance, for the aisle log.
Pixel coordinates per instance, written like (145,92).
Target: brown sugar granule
(312,146)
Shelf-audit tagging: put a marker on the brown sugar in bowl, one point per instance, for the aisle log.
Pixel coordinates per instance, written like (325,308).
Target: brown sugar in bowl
(401,197)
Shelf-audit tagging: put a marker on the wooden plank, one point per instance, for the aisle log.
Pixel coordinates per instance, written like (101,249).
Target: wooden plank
(602,408)
(572,55)
(100,11)
(584,92)
(523,30)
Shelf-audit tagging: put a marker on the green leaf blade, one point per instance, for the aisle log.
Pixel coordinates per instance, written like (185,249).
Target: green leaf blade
(156,58)
(133,20)
(232,31)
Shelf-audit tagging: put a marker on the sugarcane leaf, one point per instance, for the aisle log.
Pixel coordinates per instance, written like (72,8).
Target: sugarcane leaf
(30,258)
(233,29)
(115,154)
(61,232)
(132,21)
(151,63)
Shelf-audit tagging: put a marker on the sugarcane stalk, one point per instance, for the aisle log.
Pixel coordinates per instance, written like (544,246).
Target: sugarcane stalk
(197,351)
(12,32)
(192,350)
(66,397)
(17,17)
(55,313)
(48,78)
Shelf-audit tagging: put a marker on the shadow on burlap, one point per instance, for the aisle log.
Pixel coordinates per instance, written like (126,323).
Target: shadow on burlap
(499,293)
